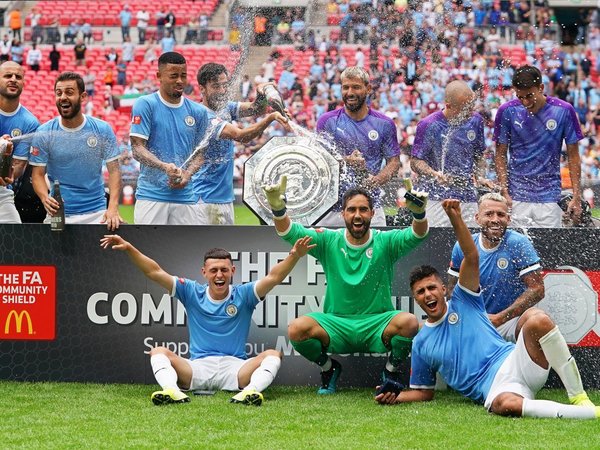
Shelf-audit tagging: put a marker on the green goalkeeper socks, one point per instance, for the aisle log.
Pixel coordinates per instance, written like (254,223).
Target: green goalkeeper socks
(400,349)
(311,349)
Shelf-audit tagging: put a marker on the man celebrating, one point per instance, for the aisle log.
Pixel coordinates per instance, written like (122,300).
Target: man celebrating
(509,268)
(358,315)
(72,148)
(531,130)
(219,317)
(447,154)
(459,341)
(214,181)
(365,138)
(15,121)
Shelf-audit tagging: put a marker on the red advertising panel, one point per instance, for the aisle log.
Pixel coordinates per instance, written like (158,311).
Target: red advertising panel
(27,303)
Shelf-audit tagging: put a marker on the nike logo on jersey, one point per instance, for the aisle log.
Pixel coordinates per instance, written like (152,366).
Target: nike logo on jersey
(516,122)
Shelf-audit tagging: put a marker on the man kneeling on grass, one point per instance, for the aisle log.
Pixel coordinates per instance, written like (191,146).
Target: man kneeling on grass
(219,316)
(459,341)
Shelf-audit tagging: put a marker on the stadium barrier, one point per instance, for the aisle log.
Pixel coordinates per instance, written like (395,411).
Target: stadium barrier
(71,311)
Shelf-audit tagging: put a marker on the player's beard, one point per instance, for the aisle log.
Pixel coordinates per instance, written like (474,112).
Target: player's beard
(493,236)
(360,233)
(216,102)
(10,95)
(360,101)
(75,110)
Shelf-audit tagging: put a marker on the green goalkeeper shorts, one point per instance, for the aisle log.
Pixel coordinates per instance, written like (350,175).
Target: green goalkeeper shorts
(351,334)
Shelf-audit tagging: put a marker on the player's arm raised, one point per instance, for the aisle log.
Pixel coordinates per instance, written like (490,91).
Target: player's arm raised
(147,265)
(283,268)
(469,268)
(234,133)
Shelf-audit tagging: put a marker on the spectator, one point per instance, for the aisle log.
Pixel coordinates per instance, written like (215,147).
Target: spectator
(54,58)
(80,50)
(170,22)
(15,23)
(121,73)
(167,43)
(36,30)
(127,50)
(125,19)
(89,81)
(34,57)
(86,31)
(109,75)
(5,46)
(72,32)
(143,17)
(111,55)
(161,17)
(16,51)
(191,34)
(150,53)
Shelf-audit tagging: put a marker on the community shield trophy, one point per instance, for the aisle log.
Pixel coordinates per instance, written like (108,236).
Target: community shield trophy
(313,178)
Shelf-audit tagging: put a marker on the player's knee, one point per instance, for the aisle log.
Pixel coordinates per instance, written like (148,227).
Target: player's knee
(272,352)
(298,329)
(507,404)
(539,322)
(160,351)
(408,325)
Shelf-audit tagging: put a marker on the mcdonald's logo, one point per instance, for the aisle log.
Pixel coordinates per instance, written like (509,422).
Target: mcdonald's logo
(18,320)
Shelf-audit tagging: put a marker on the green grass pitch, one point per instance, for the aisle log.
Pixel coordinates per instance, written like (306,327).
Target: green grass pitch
(95,416)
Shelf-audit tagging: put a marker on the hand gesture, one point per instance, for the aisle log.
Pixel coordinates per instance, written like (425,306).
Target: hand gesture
(113,241)
(356,160)
(452,208)
(302,247)
(416,201)
(112,219)
(386,398)
(574,210)
(275,194)
(283,120)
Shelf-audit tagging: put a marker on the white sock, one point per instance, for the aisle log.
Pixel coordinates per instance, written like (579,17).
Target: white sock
(548,409)
(163,371)
(559,357)
(325,367)
(264,375)
(389,366)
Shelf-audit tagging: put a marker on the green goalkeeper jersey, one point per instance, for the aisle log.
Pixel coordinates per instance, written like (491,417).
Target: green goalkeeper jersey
(359,278)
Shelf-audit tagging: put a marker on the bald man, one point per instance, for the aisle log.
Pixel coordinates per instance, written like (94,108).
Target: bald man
(447,155)
(15,121)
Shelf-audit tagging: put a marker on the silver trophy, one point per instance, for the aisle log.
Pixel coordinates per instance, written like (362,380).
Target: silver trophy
(313,178)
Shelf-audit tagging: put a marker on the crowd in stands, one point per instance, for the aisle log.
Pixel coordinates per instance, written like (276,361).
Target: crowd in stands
(411,49)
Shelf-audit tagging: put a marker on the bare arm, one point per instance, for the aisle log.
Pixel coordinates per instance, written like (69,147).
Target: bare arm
(451,284)
(147,266)
(408,396)
(38,180)
(18,167)
(283,268)
(421,167)
(389,170)
(247,134)
(144,156)
(532,295)
(469,268)
(112,217)
(575,173)
(501,162)
(259,106)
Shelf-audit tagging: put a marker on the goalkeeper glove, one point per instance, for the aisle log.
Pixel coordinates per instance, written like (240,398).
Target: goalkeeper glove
(275,194)
(416,201)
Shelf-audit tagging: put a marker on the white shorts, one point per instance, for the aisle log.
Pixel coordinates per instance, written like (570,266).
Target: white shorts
(215,213)
(215,373)
(334,219)
(507,330)
(542,215)
(88,218)
(518,374)
(437,217)
(148,212)
(8,212)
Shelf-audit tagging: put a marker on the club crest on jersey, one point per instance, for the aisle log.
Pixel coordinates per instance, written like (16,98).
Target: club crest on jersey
(502,263)
(471,135)
(92,141)
(453,318)
(190,121)
(551,124)
(373,135)
(16,132)
(231,310)
(369,252)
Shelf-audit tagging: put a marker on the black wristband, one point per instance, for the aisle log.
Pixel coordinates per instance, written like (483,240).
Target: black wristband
(279,212)
(418,216)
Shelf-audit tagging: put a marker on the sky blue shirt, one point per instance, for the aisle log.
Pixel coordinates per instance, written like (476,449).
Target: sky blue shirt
(375,137)
(534,146)
(463,346)
(172,133)
(217,328)
(501,268)
(214,181)
(453,150)
(74,157)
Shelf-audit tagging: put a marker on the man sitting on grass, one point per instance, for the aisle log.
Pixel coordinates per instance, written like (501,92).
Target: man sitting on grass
(459,341)
(219,316)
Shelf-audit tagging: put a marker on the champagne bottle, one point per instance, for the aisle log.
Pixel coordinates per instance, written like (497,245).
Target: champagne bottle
(274,99)
(57,221)
(5,159)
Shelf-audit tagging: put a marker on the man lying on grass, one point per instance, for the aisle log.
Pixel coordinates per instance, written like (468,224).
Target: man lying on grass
(459,341)
(219,316)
